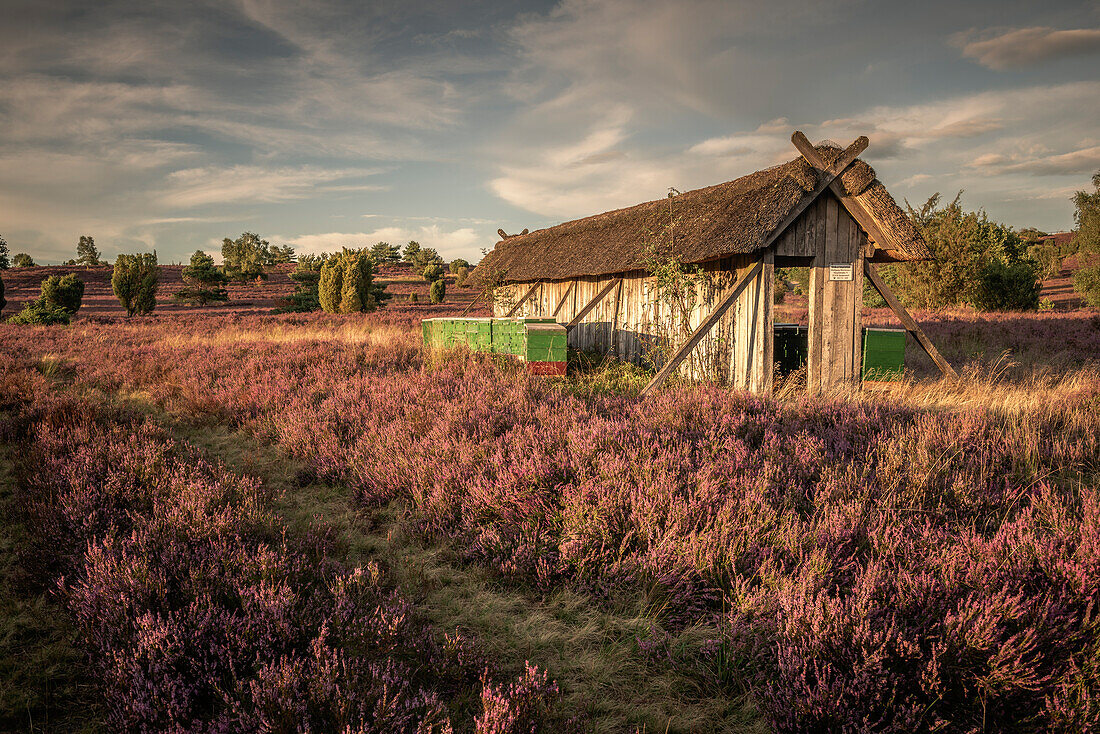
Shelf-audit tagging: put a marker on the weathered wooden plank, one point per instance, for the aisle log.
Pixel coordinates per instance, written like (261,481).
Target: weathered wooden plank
(909,322)
(562,298)
(595,301)
(702,329)
(829,301)
(765,368)
(859,239)
(518,305)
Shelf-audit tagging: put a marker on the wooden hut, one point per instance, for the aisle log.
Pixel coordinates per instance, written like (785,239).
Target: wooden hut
(825,209)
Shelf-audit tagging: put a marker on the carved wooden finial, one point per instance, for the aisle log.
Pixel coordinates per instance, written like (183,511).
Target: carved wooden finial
(524,231)
(503,234)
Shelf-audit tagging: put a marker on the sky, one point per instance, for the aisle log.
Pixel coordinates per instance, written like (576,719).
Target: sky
(151,124)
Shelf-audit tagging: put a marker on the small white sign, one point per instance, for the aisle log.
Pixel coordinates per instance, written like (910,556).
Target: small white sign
(840,271)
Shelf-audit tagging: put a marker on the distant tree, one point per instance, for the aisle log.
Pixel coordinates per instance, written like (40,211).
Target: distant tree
(246,257)
(1005,287)
(86,252)
(22,260)
(346,284)
(410,251)
(307,278)
(135,281)
(438,291)
(3,301)
(204,282)
(963,244)
(457,264)
(1087,280)
(461,276)
(413,298)
(384,253)
(428,264)
(5,262)
(63,291)
(282,255)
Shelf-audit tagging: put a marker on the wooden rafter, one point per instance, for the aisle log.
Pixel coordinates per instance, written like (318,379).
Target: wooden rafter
(825,179)
(854,207)
(519,304)
(701,330)
(908,321)
(563,298)
(593,303)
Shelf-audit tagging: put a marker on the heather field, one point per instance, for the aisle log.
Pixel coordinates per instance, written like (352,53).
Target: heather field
(234,521)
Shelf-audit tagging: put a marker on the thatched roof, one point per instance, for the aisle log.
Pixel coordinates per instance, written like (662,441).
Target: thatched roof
(731,218)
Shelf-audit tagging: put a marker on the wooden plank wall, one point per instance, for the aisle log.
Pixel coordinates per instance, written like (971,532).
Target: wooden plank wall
(739,349)
(830,235)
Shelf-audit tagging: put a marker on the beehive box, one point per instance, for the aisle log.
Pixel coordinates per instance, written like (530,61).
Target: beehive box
(545,345)
(792,346)
(883,354)
(541,343)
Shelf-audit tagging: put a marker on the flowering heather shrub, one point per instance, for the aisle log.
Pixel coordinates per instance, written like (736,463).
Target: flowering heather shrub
(869,566)
(201,614)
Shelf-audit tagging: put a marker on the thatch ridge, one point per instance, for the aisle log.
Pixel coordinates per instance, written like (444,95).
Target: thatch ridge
(735,217)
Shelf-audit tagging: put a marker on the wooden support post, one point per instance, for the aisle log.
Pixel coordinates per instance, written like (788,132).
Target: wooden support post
(613,340)
(593,303)
(519,304)
(561,303)
(908,321)
(701,330)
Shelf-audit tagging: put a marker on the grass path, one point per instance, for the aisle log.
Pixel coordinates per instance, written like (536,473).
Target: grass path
(591,651)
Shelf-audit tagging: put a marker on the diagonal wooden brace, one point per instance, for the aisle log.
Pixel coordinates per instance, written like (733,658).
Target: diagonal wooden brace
(909,322)
(561,303)
(593,303)
(519,304)
(701,330)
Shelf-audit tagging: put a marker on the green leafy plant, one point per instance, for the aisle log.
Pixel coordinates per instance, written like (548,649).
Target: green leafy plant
(204,281)
(22,260)
(1004,287)
(438,291)
(346,284)
(65,292)
(5,262)
(248,256)
(135,281)
(1087,242)
(461,276)
(40,313)
(458,264)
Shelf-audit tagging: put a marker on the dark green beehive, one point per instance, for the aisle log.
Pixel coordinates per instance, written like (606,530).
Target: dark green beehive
(883,354)
(792,346)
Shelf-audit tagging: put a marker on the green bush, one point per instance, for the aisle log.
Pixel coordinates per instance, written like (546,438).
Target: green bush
(22,260)
(204,281)
(1003,287)
(438,291)
(413,298)
(135,281)
(346,284)
(3,301)
(5,263)
(64,292)
(40,313)
(246,257)
(461,276)
(307,279)
(457,264)
(1087,283)
(1047,258)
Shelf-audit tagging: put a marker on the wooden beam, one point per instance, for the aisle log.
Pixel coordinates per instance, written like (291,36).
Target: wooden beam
(854,207)
(563,298)
(909,322)
(479,297)
(519,304)
(825,179)
(593,303)
(701,330)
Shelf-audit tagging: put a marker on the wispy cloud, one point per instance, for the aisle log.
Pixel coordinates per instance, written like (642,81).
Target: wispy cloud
(449,242)
(191,187)
(1026,46)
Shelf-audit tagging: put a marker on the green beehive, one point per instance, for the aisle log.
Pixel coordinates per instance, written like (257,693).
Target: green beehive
(883,354)
(544,342)
(792,346)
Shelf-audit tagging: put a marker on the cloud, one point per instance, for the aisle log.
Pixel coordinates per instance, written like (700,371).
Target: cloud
(449,242)
(1027,46)
(191,187)
(1081,161)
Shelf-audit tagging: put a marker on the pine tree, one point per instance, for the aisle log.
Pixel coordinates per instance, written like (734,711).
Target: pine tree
(204,280)
(86,252)
(135,281)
